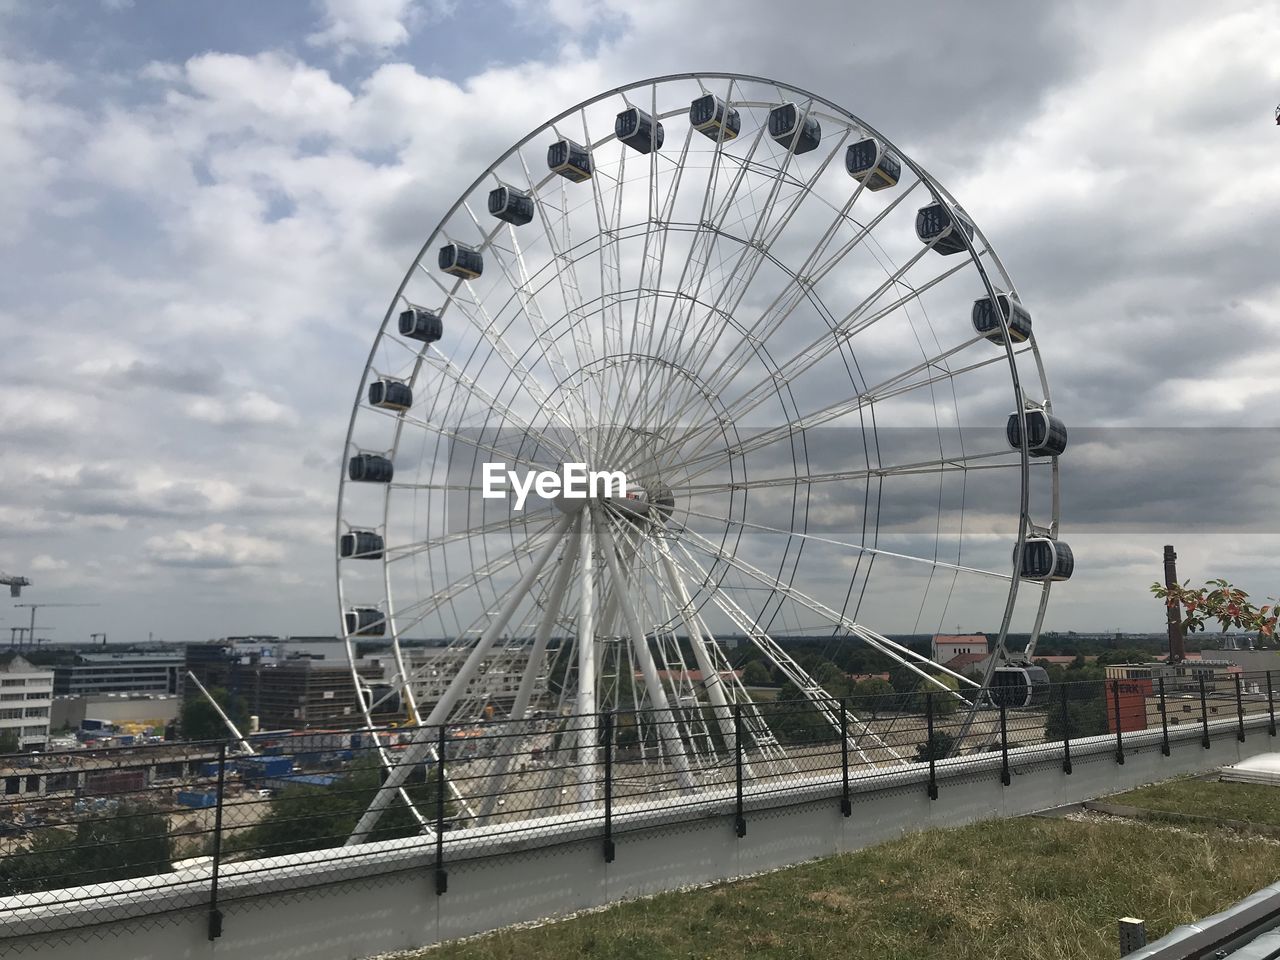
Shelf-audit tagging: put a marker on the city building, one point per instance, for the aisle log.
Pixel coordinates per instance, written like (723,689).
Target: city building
(284,692)
(26,696)
(87,674)
(947,646)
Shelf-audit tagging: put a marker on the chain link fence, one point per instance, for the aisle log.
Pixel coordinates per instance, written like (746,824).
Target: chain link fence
(158,829)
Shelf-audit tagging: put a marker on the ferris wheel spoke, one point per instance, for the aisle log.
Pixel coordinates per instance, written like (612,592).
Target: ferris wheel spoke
(904,655)
(475,313)
(799,284)
(960,464)
(407,550)
(809,688)
(419,610)
(860,548)
(420,746)
(758,244)
(566,275)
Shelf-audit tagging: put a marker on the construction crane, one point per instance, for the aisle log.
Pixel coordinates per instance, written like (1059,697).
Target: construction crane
(15,584)
(93,637)
(31,631)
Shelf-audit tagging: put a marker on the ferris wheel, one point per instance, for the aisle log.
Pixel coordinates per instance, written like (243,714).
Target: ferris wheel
(807,385)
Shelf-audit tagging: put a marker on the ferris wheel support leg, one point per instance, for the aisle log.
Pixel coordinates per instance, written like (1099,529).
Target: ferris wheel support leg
(524,693)
(421,746)
(710,675)
(586,706)
(672,745)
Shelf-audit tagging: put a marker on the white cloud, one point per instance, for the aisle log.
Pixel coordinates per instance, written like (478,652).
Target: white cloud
(213,547)
(352,26)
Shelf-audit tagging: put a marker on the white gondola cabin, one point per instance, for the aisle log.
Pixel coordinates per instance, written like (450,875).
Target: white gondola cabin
(1018,684)
(1044,558)
(638,130)
(365,622)
(360,545)
(714,119)
(370,468)
(459,260)
(787,127)
(1046,435)
(987,322)
(571,160)
(419,324)
(390,395)
(868,162)
(935,224)
(511,205)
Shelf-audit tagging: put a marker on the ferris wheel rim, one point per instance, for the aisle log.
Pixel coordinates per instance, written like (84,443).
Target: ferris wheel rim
(935,189)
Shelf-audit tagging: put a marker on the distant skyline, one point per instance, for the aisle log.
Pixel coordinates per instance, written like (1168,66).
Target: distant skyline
(207,208)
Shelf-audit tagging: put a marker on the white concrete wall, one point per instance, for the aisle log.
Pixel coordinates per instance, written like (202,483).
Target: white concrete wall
(354,902)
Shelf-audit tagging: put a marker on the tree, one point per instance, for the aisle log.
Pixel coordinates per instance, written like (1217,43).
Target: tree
(756,674)
(1217,600)
(938,749)
(9,742)
(874,695)
(133,841)
(1086,713)
(199,721)
(306,817)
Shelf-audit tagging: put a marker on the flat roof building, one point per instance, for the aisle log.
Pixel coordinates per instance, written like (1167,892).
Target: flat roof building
(26,695)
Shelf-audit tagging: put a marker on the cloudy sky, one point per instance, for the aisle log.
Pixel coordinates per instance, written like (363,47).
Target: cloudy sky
(206,208)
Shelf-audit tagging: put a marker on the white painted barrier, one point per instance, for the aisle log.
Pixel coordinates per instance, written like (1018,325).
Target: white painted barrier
(357,901)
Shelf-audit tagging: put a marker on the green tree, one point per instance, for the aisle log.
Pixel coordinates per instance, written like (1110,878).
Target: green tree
(133,841)
(1086,713)
(756,674)
(938,749)
(306,817)
(199,721)
(874,696)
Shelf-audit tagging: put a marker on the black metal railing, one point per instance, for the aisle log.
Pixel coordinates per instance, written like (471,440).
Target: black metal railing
(183,825)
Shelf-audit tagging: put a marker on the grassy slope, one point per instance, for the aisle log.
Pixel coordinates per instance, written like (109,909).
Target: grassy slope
(1229,801)
(1003,889)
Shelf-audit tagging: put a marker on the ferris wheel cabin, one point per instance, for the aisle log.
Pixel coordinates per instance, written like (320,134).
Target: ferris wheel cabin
(365,622)
(638,130)
(1044,558)
(1046,435)
(419,324)
(370,468)
(786,127)
(987,322)
(390,395)
(460,261)
(935,224)
(511,205)
(712,118)
(1019,684)
(571,160)
(870,164)
(361,545)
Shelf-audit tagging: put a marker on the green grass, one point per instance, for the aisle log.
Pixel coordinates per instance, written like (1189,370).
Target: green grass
(1002,889)
(1251,802)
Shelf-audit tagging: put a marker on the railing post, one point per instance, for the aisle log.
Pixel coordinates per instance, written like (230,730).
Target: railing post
(928,720)
(215,915)
(608,788)
(442,878)
(739,821)
(1271,706)
(1204,716)
(846,803)
(1164,720)
(1239,710)
(1066,732)
(1005,778)
(1115,696)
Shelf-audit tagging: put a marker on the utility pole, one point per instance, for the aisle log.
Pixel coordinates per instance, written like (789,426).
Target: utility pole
(1177,651)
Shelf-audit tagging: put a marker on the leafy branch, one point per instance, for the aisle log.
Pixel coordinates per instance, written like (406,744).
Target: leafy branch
(1220,601)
